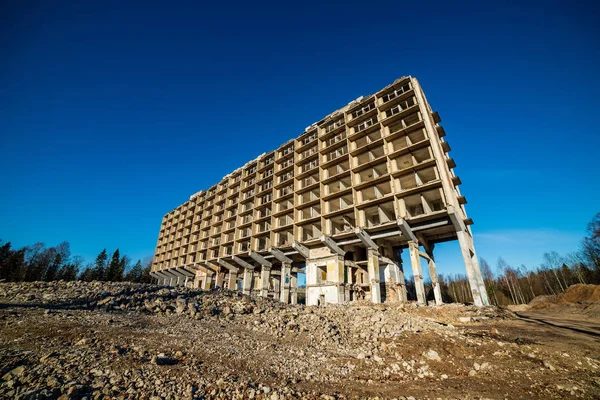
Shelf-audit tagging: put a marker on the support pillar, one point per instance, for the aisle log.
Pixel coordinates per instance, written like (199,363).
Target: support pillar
(265,274)
(219,279)
(437,291)
(349,282)
(374,279)
(232,280)
(286,269)
(207,282)
(401,279)
(415,261)
(247,281)
(294,289)
(476,283)
(276,285)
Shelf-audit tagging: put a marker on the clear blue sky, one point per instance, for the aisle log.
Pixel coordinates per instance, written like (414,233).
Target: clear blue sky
(112,113)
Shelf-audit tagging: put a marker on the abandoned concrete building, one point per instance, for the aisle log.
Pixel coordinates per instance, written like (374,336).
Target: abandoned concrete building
(339,203)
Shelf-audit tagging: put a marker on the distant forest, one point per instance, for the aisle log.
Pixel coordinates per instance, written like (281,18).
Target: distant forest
(508,285)
(520,284)
(41,263)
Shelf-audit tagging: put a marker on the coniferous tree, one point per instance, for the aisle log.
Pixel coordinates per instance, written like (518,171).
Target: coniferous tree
(98,273)
(112,272)
(135,273)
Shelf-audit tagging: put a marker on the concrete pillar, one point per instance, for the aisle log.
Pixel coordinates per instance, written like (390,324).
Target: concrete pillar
(437,291)
(476,283)
(285,282)
(294,288)
(219,279)
(374,279)
(265,275)
(207,282)
(415,261)
(347,293)
(276,281)
(232,280)
(247,281)
(402,283)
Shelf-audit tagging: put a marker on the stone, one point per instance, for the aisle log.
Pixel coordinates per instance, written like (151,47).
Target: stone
(14,373)
(433,355)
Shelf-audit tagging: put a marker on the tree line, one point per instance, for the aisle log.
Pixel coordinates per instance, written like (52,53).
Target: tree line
(40,263)
(519,284)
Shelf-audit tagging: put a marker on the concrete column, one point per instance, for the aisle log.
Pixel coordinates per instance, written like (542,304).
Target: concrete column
(437,291)
(219,279)
(415,261)
(374,279)
(348,282)
(401,279)
(294,288)
(232,280)
(247,282)
(265,275)
(476,283)
(286,269)
(207,282)
(276,285)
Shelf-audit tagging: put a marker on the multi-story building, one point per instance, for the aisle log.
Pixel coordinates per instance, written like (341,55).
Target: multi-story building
(343,199)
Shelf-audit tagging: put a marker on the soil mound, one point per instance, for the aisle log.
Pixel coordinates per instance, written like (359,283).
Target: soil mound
(579,293)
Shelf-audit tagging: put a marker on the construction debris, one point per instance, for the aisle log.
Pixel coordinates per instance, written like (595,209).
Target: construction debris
(117,340)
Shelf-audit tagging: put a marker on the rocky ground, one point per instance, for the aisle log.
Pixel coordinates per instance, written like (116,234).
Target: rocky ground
(116,340)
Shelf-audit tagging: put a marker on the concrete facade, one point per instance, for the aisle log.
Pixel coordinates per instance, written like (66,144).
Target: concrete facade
(343,199)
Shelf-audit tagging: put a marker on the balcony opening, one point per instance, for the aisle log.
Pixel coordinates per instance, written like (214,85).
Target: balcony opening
(397,109)
(416,136)
(336,138)
(335,125)
(337,168)
(310,232)
(379,214)
(287,204)
(284,238)
(339,203)
(263,226)
(337,153)
(263,243)
(402,162)
(343,223)
(422,155)
(368,156)
(310,212)
(338,186)
(370,174)
(284,220)
(286,190)
(311,195)
(366,124)
(310,180)
(363,110)
(414,206)
(405,122)
(367,139)
(433,200)
(392,95)
(244,246)
(375,192)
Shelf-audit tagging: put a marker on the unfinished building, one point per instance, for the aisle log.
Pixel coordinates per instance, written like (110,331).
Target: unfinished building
(340,203)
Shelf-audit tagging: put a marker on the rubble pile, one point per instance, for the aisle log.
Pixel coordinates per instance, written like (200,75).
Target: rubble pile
(98,340)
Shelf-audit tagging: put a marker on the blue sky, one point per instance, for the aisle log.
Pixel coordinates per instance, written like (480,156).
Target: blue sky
(100,101)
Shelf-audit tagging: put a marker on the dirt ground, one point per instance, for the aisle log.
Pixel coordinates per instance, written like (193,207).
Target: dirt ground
(111,354)
(517,357)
